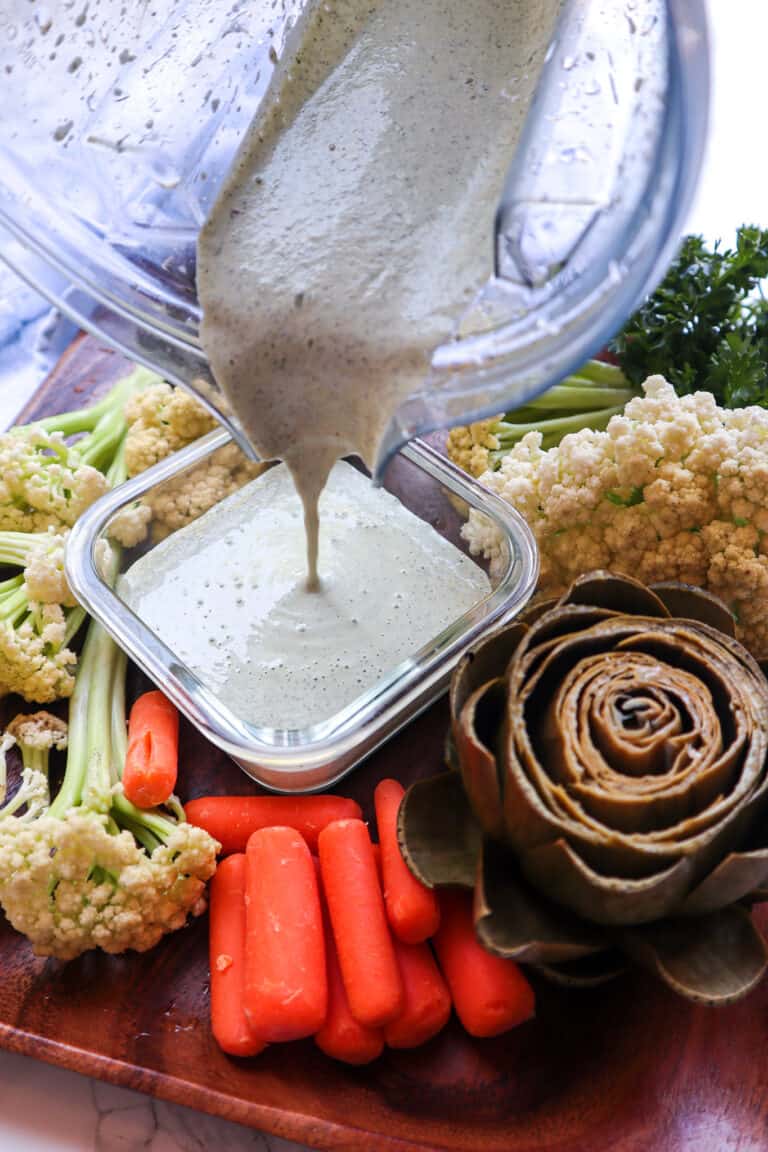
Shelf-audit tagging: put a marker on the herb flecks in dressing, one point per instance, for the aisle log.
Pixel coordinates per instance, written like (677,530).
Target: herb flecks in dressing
(356,225)
(243,620)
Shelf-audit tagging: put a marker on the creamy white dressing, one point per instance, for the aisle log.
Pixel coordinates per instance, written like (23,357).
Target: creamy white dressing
(356,225)
(228,596)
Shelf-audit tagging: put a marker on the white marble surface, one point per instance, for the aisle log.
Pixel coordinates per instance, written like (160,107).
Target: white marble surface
(44,1109)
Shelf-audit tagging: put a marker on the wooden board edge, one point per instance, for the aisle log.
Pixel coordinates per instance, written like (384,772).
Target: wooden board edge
(312,1132)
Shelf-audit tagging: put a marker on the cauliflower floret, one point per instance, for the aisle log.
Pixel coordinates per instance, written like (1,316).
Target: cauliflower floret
(161,420)
(678,500)
(32,662)
(38,617)
(182,500)
(519,475)
(44,574)
(43,482)
(70,885)
(131,524)
(681,557)
(675,488)
(469,446)
(39,730)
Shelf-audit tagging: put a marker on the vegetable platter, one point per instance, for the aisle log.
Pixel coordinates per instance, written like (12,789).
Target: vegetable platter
(626,1066)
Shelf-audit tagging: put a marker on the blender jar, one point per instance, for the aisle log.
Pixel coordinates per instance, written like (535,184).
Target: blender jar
(120,121)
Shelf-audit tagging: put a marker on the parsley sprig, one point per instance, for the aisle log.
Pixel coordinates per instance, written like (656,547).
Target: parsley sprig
(706,326)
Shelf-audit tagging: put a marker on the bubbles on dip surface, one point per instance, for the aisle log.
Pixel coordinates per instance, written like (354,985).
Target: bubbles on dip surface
(228,595)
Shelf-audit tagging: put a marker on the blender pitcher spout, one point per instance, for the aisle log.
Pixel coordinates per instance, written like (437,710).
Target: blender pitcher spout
(592,210)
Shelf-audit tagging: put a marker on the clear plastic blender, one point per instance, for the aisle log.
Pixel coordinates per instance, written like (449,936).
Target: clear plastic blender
(120,120)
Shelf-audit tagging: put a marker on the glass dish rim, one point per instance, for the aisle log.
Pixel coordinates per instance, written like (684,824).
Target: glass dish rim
(396,697)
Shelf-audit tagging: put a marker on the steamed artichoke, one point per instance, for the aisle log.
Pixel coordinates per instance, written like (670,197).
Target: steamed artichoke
(609,791)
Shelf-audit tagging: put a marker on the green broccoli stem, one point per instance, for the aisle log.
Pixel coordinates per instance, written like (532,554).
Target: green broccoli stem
(595,385)
(586,399)
(97,735)
(601,372)
(87,419)
(70,793)
(14,604)
(509,434)
(575,396)
(15,547)
(75,618)
(15,551)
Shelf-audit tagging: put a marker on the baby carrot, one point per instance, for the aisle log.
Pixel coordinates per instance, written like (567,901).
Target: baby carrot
(152,758)
(490,994)
(360,929)
(427,1003)
(230,1025)
(341,1036)
(286,989)
(232,819)
(412,908)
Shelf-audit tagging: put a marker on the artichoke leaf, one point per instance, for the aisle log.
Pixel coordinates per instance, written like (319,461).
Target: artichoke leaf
(713,959)
(547,633)
(438,835)
(540,604)
(513,921)
(616,593)
(556,868)
(588,972)
(691,603)
(739,875)
(488,661)
(450,754)
(478,737)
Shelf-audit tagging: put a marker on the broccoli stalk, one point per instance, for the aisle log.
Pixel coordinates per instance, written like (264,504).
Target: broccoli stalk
(586,400)
(46,481)
(90,870)
(102,426)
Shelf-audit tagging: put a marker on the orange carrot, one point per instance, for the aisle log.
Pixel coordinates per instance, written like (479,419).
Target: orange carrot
(286,988)
(152,759)
(232,819)
(360,929)
(490,994)
(229,1023)
(427,1003)
(341,1036)
(412,908)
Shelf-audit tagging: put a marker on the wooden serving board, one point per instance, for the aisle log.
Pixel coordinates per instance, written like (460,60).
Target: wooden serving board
(625,1068)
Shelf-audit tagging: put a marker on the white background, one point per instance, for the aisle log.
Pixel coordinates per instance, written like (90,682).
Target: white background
(47,1110)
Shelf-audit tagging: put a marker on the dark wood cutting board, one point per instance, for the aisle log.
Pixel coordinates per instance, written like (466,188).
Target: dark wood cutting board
(625,1068)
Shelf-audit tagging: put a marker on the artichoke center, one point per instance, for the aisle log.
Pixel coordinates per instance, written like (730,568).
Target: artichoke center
(629,739)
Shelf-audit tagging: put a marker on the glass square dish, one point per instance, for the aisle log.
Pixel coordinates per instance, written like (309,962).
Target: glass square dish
(304,759)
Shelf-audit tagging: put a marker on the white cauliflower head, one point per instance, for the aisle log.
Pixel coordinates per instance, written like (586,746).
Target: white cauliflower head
(675,488)
(161,420)
(43,482)
(44,574)
(33,659)
(70,885)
